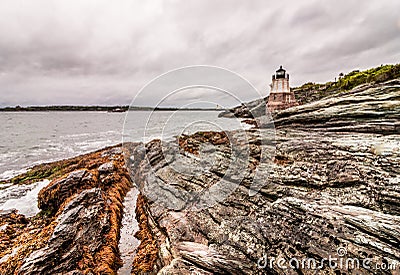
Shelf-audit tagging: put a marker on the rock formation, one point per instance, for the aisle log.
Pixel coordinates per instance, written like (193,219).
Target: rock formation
(78,228)
(329,187)
(333,190)
(311,92)
(250,109)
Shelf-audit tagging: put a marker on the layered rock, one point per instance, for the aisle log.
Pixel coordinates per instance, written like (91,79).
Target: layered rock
(332,189)
(250,109)
(324,183)
(77,231)
(307,93)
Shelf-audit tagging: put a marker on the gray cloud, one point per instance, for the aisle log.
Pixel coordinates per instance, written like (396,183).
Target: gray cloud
(103,52)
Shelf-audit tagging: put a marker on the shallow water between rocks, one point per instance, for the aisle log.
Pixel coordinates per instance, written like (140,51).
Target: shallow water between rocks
(127,242)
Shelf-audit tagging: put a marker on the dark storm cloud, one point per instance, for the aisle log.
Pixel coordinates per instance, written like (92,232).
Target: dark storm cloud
(103,52)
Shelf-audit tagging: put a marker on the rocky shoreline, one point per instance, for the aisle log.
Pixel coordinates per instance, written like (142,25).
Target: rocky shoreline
(77,231)
(332,183)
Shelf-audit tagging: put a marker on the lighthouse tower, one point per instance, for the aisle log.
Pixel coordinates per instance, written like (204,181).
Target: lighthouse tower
(280,96)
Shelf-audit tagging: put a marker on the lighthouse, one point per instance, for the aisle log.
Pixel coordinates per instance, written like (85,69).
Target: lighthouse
(280,97)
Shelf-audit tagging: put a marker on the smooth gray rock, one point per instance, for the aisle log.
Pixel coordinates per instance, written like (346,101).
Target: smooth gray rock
(333,187)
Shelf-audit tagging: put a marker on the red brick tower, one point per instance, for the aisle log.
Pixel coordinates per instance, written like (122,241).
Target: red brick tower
(280,96)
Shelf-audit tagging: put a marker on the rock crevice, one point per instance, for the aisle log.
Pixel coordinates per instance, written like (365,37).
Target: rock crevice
(333,188)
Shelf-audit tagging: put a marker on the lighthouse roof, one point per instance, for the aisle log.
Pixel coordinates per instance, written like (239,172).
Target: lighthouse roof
(281,69)
(280,73)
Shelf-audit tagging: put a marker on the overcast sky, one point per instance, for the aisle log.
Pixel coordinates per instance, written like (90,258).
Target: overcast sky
(102,52)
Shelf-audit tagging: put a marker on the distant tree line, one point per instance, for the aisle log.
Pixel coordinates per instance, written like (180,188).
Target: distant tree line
(65,108)
(123,108)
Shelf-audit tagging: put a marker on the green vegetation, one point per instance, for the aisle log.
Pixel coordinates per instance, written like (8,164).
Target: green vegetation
(59,168)
(39,172)
(314,91)
(377,75)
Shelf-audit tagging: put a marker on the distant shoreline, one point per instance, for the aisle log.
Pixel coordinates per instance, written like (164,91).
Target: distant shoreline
(112,109)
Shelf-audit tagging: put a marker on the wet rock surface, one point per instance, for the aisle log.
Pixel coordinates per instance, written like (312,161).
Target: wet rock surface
(59,190)
(77,230)
(332,189)
(327,184)
(250,109)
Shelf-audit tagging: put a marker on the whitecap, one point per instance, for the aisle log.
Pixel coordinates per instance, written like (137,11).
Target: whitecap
(11,173)
(27,203)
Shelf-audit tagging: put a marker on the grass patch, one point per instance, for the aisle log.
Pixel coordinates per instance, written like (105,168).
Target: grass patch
(310,91)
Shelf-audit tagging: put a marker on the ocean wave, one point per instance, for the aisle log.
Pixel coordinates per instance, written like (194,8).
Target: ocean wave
(22,197)
(9,174)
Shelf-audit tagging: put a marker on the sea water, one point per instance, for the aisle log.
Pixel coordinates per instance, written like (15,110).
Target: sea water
(29,138)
